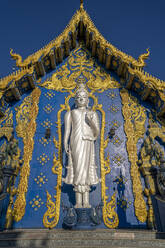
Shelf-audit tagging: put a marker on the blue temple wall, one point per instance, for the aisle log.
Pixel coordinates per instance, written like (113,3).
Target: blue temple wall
(42,179)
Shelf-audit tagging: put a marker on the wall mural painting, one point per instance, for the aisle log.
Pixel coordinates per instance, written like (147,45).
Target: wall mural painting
(80,165)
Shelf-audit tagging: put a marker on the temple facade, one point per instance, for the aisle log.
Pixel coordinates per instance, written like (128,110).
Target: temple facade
(129,149)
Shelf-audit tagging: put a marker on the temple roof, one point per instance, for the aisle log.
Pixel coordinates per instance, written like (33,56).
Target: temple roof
(81,29)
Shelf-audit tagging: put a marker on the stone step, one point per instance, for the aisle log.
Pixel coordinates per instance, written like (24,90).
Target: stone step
(105,238)
(81,234)
(69,247)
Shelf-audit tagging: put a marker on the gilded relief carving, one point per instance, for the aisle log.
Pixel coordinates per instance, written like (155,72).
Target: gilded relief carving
(135,117)
(78,68)
(26,116)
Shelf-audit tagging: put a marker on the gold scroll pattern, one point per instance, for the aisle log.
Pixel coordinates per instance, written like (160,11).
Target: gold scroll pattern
(78,64)
(26,116)
(51,216)
(135,117)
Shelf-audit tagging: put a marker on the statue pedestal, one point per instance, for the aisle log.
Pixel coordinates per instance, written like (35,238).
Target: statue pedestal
(82,218)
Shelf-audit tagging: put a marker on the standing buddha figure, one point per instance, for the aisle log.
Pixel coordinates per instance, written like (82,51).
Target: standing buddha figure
(81,130)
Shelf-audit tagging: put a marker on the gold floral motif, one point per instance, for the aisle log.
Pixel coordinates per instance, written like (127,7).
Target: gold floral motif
(48,108)
(134,113)
(45,141)
(49,94)
(26,116)
(46,123)
(41,179)
(43,159)
(36,203)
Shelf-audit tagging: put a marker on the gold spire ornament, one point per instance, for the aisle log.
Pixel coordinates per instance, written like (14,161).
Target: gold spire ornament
(81,4)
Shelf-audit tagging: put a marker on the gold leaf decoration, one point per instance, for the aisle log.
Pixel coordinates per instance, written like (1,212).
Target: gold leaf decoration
(110,216)
(80,68)
(135,117)
(51,213)
(26,116)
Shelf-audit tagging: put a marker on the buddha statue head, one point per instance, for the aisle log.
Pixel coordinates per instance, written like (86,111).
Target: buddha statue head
(81,96)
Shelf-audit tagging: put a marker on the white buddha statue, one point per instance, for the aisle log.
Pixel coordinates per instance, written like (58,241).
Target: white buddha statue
(81,131)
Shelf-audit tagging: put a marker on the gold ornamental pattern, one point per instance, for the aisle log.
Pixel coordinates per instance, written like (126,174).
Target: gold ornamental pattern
(135,117)
(80,68)
(26,115)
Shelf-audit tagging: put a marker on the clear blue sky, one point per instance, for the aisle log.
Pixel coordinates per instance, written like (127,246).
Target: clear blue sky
(130,25)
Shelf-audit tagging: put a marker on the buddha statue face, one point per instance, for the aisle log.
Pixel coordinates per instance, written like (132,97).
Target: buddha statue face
(81,97)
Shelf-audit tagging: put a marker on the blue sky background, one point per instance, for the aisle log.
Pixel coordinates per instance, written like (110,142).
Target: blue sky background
(130,25)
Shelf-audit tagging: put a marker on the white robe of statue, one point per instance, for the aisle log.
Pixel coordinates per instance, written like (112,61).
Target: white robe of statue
(81,130)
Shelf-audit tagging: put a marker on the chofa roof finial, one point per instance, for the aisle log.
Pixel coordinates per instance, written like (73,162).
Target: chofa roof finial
(81,4)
